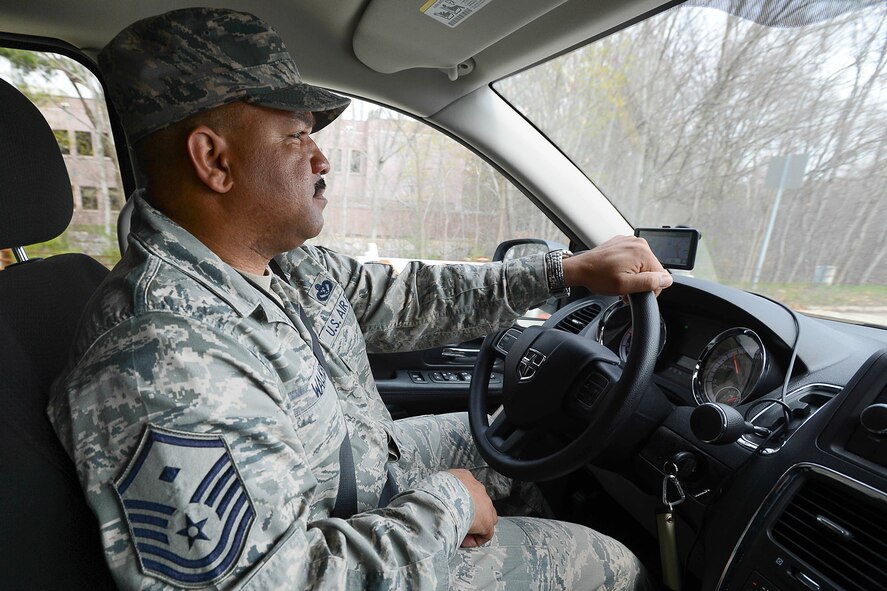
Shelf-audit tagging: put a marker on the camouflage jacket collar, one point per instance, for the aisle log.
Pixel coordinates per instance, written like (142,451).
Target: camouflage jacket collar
(167,240)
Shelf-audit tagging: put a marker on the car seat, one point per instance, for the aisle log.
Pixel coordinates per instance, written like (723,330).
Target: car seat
(49,538)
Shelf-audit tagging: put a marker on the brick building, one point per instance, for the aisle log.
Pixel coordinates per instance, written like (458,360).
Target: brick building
(95,180)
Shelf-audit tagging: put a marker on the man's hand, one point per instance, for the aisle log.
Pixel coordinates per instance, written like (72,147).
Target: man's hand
(485,517)
(619,266)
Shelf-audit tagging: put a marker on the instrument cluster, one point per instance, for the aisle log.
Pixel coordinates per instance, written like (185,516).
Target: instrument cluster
(729,367)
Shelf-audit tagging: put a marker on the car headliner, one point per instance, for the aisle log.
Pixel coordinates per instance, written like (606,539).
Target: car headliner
(348,44)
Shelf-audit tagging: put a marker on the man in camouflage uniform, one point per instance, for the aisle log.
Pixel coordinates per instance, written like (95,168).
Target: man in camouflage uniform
(211,402)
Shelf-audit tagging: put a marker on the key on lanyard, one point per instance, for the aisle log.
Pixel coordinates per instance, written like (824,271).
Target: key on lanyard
(671,476)
(665,526)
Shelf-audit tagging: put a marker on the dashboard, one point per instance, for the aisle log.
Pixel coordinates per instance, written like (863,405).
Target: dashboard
(785,512)
(802,507)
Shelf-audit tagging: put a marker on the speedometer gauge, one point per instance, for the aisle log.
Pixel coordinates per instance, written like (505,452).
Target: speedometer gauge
(730,367)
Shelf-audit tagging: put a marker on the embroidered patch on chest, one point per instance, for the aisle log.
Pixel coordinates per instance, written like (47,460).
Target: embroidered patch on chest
(322,289)
(335,322)
(188,511)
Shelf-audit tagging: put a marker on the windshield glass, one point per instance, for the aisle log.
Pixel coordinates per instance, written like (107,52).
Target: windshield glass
(760,124)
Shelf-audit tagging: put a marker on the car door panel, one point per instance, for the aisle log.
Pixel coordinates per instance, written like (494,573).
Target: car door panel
(431,380)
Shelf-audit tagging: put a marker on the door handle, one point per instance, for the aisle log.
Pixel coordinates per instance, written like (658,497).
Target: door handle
(459,352)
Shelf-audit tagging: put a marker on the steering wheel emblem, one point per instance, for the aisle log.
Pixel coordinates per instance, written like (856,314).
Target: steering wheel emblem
(529,363)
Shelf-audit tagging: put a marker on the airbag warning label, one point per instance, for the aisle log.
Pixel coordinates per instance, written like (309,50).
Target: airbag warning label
(452,12)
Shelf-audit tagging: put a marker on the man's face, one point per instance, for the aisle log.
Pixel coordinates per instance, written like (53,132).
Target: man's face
(277,171)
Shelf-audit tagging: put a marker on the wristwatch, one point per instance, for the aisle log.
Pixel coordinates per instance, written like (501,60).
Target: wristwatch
(554,272)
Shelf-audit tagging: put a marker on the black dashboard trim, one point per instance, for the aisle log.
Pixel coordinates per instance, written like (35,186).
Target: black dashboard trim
(745,442)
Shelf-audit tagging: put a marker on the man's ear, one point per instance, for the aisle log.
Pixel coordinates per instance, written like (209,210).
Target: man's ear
(210,158)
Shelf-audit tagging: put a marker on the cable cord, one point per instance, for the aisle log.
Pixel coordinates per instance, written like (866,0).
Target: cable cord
(794,351)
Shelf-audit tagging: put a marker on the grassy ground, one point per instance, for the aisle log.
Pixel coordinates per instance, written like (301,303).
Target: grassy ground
(805,295)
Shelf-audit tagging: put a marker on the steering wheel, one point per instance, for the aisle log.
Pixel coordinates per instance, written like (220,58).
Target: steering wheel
(550,375)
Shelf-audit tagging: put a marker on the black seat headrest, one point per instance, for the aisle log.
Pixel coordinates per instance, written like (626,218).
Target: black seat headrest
(36,203)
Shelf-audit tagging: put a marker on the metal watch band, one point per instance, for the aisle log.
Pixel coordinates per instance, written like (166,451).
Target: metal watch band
(554,272)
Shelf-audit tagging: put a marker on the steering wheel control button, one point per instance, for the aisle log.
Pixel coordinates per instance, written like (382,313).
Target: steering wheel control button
(508,338)
(591,389)
(529,365)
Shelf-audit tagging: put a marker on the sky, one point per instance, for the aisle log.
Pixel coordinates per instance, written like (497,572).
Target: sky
(58,85)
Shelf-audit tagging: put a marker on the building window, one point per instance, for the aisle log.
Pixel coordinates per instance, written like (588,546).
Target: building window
(64,140)
(89,198)
(114,199)
(356,164)
(84,143)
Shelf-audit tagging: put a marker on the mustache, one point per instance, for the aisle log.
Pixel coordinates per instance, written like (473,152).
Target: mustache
(320,186)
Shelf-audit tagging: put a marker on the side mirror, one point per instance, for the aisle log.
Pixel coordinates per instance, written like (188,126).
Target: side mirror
(521,247)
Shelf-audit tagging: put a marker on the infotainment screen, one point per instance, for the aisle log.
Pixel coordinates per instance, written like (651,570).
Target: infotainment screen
(674,247)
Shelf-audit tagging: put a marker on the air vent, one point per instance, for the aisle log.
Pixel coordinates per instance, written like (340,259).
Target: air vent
(579,319)
(838,531)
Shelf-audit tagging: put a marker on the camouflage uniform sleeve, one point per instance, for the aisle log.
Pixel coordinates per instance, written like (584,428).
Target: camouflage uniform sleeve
(429,305)
(161,400)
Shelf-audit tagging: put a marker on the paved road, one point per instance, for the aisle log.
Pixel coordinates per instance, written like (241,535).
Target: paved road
(870,315)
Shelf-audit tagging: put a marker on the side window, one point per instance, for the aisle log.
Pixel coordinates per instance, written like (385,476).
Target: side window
(71,99)
(400,190)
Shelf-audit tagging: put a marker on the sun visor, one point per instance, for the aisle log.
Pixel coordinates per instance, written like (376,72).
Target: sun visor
(394,35)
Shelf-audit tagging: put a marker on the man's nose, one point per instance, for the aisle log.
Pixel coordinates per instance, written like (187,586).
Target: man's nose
(319,163)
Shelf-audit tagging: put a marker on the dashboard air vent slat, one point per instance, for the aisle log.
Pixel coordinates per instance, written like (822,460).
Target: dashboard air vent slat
(848,544)
(579,319)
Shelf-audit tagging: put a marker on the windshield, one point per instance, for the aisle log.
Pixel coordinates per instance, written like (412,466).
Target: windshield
(768,138)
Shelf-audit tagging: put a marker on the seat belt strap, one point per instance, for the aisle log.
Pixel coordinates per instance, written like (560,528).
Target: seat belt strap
(346,499)
(389,491)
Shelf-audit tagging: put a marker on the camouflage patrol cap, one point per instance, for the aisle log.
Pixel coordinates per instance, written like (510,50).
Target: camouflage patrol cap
(166,68)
